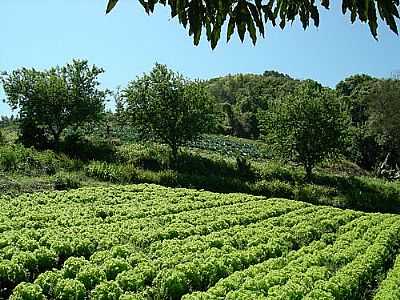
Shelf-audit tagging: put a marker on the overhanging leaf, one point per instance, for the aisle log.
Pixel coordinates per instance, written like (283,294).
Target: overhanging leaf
(111,4)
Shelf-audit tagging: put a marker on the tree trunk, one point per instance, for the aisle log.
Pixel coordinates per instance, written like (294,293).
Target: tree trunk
(57,140)
(308,168)
(174,156)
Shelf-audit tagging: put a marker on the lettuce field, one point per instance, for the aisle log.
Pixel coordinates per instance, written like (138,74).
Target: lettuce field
(151,242)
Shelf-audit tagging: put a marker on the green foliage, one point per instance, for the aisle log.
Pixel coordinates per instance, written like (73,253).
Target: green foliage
(45,258)
(389,288)
(228,146)
(354,91)
(68,289)
(114,266)
(48,281)
(73,265)
(131,281)
(2,138)
(251,16)
(83,148)
(244,167)
(148,156)
(8,159)
(69,94)
(117,173)
(308,126)
(242,95)
(169,108)
(27,291)
(17,158)
(161,243)
(65,181)
(91,276)
(106,291)
(384,121)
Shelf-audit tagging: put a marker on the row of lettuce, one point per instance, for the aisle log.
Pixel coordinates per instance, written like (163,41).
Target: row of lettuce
(150,242)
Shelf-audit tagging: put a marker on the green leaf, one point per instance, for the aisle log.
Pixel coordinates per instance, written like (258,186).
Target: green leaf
(325,3)
(231,28)
(111,5)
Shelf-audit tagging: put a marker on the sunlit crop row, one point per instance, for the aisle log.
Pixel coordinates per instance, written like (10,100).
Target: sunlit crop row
(150,242)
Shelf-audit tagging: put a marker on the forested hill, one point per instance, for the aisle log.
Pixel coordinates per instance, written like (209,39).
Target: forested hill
(242,95)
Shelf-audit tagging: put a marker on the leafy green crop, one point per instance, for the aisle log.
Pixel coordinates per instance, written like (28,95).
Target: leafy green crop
(151,242)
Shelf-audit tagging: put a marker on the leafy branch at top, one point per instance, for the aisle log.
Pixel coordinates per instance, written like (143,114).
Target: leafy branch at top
(251,16)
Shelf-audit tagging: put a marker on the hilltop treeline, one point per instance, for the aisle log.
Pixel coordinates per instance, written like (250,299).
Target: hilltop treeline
(371,103)
(56,106)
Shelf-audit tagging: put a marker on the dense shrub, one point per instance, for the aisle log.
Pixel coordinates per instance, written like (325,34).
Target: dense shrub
(149,156)
(8,159)
(118,173)
(64,181)
(85,149)
(29,161)
(274,188)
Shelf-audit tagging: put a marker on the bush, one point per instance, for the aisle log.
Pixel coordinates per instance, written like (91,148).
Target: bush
(30,161)
(278,171)
(274,188)
(117,173)
(216,165)
(84,149)
(27,291)
(316,194)
(66,181)
(244,167)
(8,159)
(145,156)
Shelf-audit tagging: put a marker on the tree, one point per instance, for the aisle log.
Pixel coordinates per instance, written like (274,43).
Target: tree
(252,15)
(354,91)
(307,126)
(169,108)
(243,95)
(384,121)
(49,101)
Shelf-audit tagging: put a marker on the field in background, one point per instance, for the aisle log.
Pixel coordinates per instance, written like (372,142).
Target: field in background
(214,163)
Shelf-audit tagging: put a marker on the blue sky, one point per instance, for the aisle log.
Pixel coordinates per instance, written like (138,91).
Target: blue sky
(44,33)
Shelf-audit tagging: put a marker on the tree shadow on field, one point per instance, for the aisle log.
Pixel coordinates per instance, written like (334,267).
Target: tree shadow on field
(363,193)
